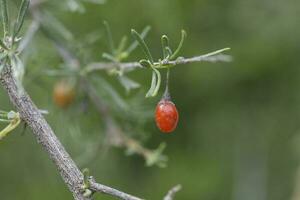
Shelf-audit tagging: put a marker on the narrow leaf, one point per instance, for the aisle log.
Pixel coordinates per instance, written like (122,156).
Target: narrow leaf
(165,46)
(128,83)
(158,82)
(122,45)
(145,63)
(134,45)
(108,57)
(183,36)
(5,121)
(143,45)
(21,16)
(153,85)
(3,45)
(4,15)
(156,157)
(86,176)
(215,52)
(169,51)
(13,124)
(106,90)
(54,29)
(109,38)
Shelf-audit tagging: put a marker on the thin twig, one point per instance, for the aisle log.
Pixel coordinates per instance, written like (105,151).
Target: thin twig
(129,66)
(96,187)
(203,58)
(172,192)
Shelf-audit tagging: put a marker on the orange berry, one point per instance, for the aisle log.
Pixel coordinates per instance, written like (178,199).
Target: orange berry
(63,93)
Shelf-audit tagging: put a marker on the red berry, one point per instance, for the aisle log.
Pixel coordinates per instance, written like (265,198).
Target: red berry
(166,116)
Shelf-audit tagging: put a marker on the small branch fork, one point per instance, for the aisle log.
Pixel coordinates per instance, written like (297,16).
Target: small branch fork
(67,168)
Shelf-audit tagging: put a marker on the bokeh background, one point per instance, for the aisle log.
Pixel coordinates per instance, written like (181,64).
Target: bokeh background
(238,134)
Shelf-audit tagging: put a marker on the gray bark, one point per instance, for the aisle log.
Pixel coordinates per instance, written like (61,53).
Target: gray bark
(45,136)
(30,114)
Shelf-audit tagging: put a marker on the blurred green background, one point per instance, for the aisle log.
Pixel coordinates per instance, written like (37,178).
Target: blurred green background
(238,134)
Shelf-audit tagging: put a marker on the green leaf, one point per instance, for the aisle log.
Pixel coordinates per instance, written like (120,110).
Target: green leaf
(10,127)
(134,45)
(109,57)
(158,82)
(145,63)
(4,15)
(156,157)
(106,90)
(165,46)
(3,45)
(21,16)
(122,44)
(153,85)
(54,29)
(215,52)
(175,54)
(168,49)
(109,38)
(128,84)
(5,121)
(143,45)
(86,176)
(120,53)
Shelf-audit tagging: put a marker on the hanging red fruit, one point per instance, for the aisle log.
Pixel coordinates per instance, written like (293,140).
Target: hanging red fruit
(166,116)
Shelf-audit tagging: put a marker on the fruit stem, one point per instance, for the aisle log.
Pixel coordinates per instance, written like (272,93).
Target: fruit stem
(166,95)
